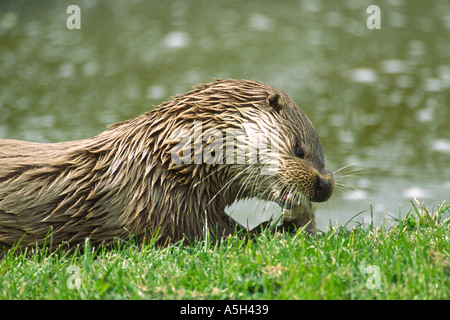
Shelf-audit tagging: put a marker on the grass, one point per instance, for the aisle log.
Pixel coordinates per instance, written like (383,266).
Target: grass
(411,260)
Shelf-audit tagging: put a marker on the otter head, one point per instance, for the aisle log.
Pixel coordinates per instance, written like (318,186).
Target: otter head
(301,175)
(295,173)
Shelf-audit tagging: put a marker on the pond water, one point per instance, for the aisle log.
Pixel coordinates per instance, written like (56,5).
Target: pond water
(379,98)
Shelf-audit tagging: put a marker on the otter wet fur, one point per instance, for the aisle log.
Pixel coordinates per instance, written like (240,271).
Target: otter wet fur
(124,182)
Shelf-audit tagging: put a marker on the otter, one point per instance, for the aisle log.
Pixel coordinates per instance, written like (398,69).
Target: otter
(168,173)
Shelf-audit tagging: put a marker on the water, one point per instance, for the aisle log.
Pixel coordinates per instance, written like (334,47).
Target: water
(378,98)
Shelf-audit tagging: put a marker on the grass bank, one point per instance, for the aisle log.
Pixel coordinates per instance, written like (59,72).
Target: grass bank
(409,261)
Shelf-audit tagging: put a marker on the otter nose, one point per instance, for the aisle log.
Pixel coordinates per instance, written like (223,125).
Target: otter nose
(323,190)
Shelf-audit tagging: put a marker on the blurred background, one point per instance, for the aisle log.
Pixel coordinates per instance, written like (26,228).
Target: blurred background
(380,99)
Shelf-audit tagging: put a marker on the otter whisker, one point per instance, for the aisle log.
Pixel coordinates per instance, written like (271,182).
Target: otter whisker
(256,184)
(349,166)
(345,186)
(267,193)
(226,185)
(346,171)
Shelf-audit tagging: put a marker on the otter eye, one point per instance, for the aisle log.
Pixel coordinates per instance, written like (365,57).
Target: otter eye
(299,152)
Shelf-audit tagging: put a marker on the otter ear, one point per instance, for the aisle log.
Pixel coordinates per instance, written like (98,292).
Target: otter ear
(275,102)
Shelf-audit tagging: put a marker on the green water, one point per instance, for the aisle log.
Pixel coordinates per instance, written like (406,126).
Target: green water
(378,98)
